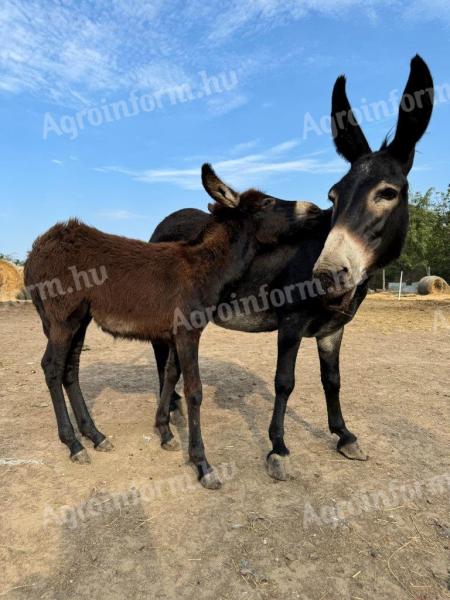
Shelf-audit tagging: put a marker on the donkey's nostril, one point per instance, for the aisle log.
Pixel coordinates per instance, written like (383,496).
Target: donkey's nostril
(334,282)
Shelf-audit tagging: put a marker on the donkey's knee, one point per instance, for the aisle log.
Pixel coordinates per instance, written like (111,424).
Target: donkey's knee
(284,385)
(194,398)
(70,377)
(53,374)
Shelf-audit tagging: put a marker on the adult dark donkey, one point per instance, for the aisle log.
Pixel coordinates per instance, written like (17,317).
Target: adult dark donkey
(143,286)
(326,273)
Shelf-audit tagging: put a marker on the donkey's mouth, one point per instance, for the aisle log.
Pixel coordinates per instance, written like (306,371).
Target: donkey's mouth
(342,302)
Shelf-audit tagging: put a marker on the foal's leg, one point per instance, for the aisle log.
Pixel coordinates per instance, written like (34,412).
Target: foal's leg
(53,363)
(187,348)
(329,348)
(72,385)
(161,350)
(288,344)
(171,377)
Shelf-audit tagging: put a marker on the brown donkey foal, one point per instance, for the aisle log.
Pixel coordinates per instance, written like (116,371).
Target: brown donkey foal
(143,287)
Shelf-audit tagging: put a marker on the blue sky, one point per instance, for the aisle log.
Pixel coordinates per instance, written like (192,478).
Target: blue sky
(69,70)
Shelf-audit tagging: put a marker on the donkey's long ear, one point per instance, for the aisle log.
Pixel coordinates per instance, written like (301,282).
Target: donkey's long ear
(348,137)
(217,189)
(414,113)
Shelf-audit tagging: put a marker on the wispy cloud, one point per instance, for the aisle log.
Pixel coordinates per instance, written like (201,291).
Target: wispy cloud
(261,15)
(243,171)
(58,162)
(429,11)
(68,51)
(120,215)
(243,147)
(73,52)
(221,105)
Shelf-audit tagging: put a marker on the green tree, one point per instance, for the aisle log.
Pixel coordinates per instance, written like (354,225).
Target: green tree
(10,259)
(428,241)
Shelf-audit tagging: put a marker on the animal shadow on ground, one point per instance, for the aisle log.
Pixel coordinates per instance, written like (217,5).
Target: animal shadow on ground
(232,392)
(108,554)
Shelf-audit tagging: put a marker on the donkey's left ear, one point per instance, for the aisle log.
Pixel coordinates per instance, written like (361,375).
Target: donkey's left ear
(414,113)
(348,137)
(217,189)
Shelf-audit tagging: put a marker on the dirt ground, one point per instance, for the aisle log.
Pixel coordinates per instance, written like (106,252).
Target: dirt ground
(135,524)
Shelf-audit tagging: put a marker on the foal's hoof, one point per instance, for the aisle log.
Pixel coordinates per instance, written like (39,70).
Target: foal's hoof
(177,417)
(352,451)
(105,446)
(210,481)
(81,457)
(171,445)
(277,467)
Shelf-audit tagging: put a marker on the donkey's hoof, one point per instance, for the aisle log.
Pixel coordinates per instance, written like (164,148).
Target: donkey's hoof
(210,481)
(81,457)
(177,418)
(277,467)
(352,451)
(105,446)
(171,445)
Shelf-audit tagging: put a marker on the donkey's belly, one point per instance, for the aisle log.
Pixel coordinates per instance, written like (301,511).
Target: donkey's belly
(250,323)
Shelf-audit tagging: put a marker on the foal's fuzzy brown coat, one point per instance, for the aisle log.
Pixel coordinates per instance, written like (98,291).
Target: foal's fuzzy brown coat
(140,285)
(132,289)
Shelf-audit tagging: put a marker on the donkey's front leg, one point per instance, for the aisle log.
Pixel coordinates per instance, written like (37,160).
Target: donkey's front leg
(329,348)
(187,348)
(288,344)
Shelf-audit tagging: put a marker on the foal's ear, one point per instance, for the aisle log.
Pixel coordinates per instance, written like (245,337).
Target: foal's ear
(414,113)
(217,189)
(348,137)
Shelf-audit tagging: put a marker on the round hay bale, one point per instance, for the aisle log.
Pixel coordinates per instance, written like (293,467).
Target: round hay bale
(11,281)
(432,285)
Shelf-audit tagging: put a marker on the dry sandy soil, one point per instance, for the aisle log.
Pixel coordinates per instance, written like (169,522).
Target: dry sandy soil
(135,524)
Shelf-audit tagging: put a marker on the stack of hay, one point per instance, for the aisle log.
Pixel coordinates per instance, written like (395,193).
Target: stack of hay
(433,285)
(11,281)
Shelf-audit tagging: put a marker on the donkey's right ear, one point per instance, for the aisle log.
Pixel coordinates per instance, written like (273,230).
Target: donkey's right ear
(217,189)
(414,114)
(348,137)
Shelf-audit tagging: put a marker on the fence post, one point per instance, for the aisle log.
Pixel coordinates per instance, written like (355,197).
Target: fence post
(384,280)
(400,286)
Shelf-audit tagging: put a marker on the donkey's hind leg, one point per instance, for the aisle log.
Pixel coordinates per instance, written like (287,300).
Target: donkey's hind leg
(72,386)
(161,350)
(171,376)
(53,364)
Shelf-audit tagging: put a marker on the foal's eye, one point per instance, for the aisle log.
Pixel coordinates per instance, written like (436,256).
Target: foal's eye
(387,194)
(266,202)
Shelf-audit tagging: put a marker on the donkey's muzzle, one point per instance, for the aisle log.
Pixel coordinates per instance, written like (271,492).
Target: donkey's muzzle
(334,283)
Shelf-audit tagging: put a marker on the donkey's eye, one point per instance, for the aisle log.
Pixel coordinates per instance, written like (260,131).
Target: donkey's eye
(387,194)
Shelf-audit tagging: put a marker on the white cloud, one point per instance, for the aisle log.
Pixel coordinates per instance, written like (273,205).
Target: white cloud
(120,215)
(261,15)
(57,162)
(74,52)
(243,146)
(71,51)
(241,172)
(284,147)
(222,104)
(418,10)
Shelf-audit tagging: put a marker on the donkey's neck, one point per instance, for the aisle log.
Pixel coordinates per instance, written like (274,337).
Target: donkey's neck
(225,253)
